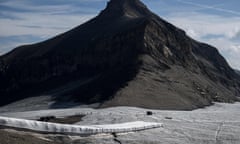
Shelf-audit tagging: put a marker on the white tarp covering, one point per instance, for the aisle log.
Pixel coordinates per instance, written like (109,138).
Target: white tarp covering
(76,129)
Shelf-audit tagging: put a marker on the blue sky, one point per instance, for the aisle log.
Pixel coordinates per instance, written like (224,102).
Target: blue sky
(216,22)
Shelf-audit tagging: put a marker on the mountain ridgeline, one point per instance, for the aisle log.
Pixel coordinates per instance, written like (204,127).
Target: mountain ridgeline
(126,56)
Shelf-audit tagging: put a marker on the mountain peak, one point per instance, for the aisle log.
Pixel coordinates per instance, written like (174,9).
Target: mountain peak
(120,2)
(130,8)
(126,56)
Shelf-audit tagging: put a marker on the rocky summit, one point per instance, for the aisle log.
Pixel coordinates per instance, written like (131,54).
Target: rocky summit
(126,56)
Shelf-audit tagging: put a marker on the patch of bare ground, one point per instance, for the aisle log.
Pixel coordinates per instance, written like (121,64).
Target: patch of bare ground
(65,120)
(8,137)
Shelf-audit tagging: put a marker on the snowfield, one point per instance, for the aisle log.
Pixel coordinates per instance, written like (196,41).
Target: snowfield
(217,124)
(76,129)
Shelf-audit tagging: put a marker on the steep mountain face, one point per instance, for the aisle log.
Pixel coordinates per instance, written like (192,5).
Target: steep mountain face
(238,72)
(125,56)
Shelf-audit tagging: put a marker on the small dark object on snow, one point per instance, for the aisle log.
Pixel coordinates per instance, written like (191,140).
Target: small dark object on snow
(149,113)
(168,118)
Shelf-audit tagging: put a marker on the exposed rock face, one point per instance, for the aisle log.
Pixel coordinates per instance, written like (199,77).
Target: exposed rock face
(125,56)
(238,72)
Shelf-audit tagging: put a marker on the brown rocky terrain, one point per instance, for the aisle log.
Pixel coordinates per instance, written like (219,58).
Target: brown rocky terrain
(125,56)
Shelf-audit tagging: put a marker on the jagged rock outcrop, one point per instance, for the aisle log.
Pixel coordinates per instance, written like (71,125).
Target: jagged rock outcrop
(125,56)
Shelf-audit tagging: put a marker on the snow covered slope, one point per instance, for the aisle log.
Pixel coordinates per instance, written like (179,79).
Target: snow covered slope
(219,123)
(76,129)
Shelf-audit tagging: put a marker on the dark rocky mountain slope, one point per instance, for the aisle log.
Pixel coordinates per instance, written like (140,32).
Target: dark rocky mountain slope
(125,56)
(238,72)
